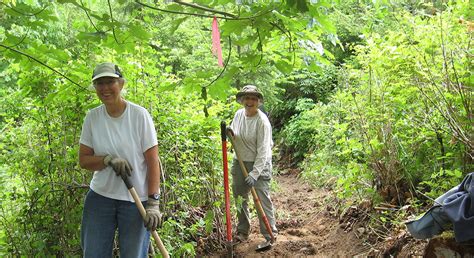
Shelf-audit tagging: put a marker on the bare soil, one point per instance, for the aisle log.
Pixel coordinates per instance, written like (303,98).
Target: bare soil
(305,225)
(310,225)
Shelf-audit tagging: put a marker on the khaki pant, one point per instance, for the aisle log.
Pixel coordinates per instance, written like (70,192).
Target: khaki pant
(262,187)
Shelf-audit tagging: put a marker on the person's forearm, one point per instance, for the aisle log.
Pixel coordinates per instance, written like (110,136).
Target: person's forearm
(91,162)
(258,166)
(154,173)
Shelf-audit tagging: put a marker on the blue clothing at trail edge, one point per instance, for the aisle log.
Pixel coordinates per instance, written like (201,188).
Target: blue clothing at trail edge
(454,208)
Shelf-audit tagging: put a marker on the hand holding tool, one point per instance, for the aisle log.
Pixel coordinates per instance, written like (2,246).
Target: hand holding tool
(250,181)
(142,211)
(120,166)
(153,215)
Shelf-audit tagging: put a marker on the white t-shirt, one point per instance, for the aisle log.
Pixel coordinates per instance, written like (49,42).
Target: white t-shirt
(127,137)
(253,140)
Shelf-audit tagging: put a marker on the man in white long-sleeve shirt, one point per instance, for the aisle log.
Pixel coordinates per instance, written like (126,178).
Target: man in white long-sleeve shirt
(253,140)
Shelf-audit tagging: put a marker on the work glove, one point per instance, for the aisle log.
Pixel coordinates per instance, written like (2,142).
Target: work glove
(120,166)
(229,130)
(250,181)
(153,215)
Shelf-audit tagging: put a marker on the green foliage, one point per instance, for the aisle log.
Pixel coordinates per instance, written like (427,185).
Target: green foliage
(47,52)
(442,181)
(297,94)
(391,115)
(400,115)
(42,177)
(299,88)
(299,130)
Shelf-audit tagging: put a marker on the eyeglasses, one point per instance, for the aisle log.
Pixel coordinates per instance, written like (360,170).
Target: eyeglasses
(254,98)
(99,84)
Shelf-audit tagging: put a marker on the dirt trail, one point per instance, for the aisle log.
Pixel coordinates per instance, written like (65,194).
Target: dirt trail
(309,225)
(305,225)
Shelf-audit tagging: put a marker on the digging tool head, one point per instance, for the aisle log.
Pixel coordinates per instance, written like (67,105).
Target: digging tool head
(267,245)
(230,249)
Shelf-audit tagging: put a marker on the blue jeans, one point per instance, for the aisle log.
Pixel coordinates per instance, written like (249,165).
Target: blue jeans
(101,217)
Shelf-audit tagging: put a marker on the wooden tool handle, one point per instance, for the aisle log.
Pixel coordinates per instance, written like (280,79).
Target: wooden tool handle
(256,200)
(142,211)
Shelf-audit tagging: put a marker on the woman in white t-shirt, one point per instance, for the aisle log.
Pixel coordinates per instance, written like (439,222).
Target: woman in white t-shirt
(253,139)
(118,139)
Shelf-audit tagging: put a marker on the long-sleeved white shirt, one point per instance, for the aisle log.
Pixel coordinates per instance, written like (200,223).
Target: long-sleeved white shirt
(253,140)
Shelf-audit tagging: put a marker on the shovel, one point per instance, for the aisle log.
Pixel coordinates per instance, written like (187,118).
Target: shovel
(226,191)
(267,244)
(140,207)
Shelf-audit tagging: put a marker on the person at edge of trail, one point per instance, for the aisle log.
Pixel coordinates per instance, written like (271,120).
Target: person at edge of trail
(253,139)
(118,139)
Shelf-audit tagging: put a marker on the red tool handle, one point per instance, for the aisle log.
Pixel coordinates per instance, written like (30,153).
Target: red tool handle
(226,182)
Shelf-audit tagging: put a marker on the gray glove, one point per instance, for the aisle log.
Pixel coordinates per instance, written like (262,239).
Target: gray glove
(250,181)
(119,165)
(153,214)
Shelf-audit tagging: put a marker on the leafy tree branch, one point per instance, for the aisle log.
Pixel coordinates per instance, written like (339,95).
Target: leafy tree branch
(225,65)
(22,39)
(260,47)
(43,64)
(22,13)
(230,16)
(177,12)
(88,16)
(112,21)
(196,6)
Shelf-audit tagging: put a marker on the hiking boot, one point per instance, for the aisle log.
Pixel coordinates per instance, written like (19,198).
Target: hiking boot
(239,238)
(268,238)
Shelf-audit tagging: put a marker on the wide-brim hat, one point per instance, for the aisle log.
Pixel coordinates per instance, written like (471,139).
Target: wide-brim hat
(106,70)
(248,90)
